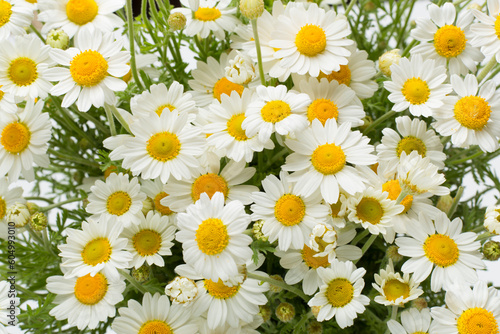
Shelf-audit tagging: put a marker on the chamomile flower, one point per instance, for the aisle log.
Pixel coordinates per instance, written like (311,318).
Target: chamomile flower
(491,219)
(209,180)
(24,141)
(15,16)
(320,158)
(76,15)
(9,197)
(149,240)
(288,216)
(340,294)
(412,321)
(445,38)
(311,40)
(97,246)
(275,110)
(468,311)
(87,300)
(161,146)
(24,63)
(394,289)
(472,117)
(118,200)
(212,236)
(7,102)
(96,65)
(486,32)
(155,190)
(154,315)
(418,85)
(440,245)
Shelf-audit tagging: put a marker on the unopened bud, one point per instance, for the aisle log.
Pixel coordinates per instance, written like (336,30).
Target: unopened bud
(419,303)
(370,6)
(141,274)
(315,311)
(315,327)
(393,254)
(176,21)
(240,70)
(444,203)
(38,221)
(285,312)
(275,288)
(251,9)
(84,143)
(147,205)
(58,39)
(19,214)
(32,207)
(491,250)
(387,59)
(181,290)
(265,312)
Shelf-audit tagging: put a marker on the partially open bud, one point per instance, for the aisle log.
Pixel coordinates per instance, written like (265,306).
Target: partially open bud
(257,230)
(181,290)
(176,21)
(444,203)
(240,70)
(285,312)
(491,250)
(252,9)
(387,59)
(147,205)
(141,274)
(58,39)
(38,221)
(19,214)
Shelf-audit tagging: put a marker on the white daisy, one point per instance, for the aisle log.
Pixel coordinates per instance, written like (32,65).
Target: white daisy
(24,140)
(288,216)
(418,85)
(150,240)
(7,102)
(209,180)
(440,245)
(9,197)
(485,33)
(161,146)
(340,294)
(118,200)
(412,321)
(155,190)
(87,300)
(15,16)
(472,117)
(95,247)
(92,72)
(491,219)
(154,315)
(320,159)
(445,38)
(212,236)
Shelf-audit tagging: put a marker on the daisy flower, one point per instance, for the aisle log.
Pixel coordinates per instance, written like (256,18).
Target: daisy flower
(320,158)
(445,38)
(485,33)
(181,290)
(491,219)
(160,146)
(340,294)
(76,15)
(275,109)
(311,40)
(9,197)
(394,289)
(413,136)
(87,300)
(7,102)
(24,63)
(417,85)
(468,311)
(14,18)
(472,117)
(6,301)
(149,240)
(225,128)
(97,246)
(118,200)
(212,236)
(155,190)
(24,140)
(96,65)
(440,245)
(412,321)
(154,315)
(288,216)
(209,180)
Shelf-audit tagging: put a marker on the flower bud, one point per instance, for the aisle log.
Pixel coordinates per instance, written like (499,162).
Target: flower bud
(176,21)
(491,250)
(18,213)
(444,203)
(32,207)
(240,70)
(147,205)
(315,311)
(265,312)
(387,59)
(251,9)
(181,290)
(419,303)
(315,327)
(257,230)
(274,288)
(38,221)
(141,274)
(58,39)
(393,254)
(285,312)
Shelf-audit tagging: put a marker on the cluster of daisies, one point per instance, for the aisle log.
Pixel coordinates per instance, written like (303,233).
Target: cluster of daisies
(191,157)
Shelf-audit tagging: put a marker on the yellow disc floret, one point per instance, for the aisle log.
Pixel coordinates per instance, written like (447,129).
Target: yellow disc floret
(118,203)
(234,127)
(393,289)
(224,86)
(369,210)
(219,290)
(81,12)
(211,236)
(15,137)
(497,26)
(88,68)
(147,242)
(91,290)
(409,144)
(449,41)
(441,250)
(394,189)
(160,109)
(289,210)
(416,91)
(472,112)
(155,327)
(164,210)
(477,320)
(207,14)
(340,292)
(209,183)
(275,111)
(163,146)
(5,12)
(310,40)
(342,76)
(322,109)
(314,261)
(96,251)
(328,159)
(3,207)
(23,71)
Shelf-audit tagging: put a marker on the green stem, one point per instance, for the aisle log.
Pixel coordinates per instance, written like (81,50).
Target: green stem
(120,118)
(470,157)
(367,245)
(98,124)
(280,284)
(486,69)
(379,120)
(36,198)
(485,236)
(35,30)
(394,313)
(47,243)
(132,281)
(351,5)
(456,199)
(401,196)
(56,205)
(72,158)
(276,157)
(111,120)
(359,236)
(477,229)
(130,23)
(408,48)
(259,54)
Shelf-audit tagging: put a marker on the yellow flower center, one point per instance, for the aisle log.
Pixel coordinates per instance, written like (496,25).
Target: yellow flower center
(497,26)
(91,290)
(394,189)
(342,76)
(118,203)
(209,183)
(416,91)
(275,111)
(96,251)
(369,210)
(449,41)
(311,261)
(3,207)
(147,242)
(441,250)
(155,327)
(310,40)
(234,127)
(15,137)
(211,236)
(1,93)
(160,109)
(207,14)
(477,320)
(88,68)
(472,112)
(219,290)
(335,207)
(23,71)
(224,86)
(393,289)
(289,210)
(163,146)
(322,109)
(409,144)
(164,210)
(340,292)
(328,159)
(81,12)
(5,12)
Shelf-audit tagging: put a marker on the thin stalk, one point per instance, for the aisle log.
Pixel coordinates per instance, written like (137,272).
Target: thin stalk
(367,245)
(47,243)
(348,9)
(485,236)
(259,54)
(379,120)
(486,69)
(36,198)
(132,281)
(98,124)
(394,313)
(408,48)
(130,23)
(35,30)
(280,284)
(56,205)
(120,119)
(456,199)
(359,236)
(470,157)
(72,158)
(111,120)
